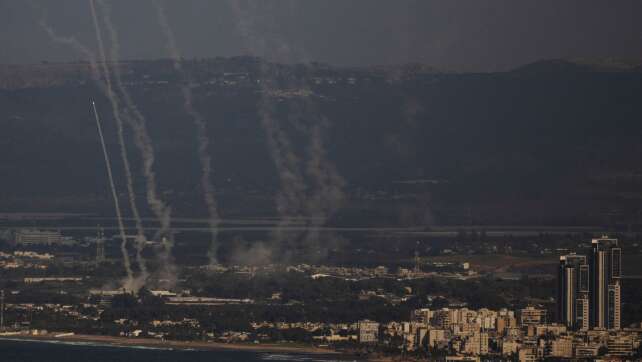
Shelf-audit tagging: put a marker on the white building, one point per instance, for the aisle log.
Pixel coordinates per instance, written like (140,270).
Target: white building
(477,344)
(528,355)
(621,345)
(562,347)
(509,347)
(38,237)
(532,316)
(368,331)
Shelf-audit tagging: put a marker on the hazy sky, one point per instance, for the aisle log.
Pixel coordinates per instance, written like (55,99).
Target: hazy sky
(451,34)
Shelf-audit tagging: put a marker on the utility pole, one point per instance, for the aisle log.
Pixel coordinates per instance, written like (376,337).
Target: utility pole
(100,246)
(417,262)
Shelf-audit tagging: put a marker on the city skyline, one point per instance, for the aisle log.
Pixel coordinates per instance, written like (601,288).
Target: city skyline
(589,288)
(372,180)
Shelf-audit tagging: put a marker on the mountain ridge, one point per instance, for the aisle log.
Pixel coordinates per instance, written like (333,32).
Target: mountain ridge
(515,148)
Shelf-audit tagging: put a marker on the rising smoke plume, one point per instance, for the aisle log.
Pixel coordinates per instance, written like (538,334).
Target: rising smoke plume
(311,187)
(138,123)
(113,100)
(292,192)
(72,43)
(288,200)
(105,87)
(201,132)
(110,175)
(104,84)
(328,195)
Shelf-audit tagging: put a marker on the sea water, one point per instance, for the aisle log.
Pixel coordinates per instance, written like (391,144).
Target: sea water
(63,351)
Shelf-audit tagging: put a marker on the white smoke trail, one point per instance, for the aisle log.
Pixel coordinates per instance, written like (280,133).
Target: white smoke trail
(110,175)
(201,129)
(325,185)
(96,76)
(328,196)
(74,44)
(325,196)
(142,140)
(293,189)
(292,192)
(129,283)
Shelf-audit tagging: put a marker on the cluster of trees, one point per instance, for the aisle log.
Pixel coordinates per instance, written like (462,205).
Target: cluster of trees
(322,300)
(294,286)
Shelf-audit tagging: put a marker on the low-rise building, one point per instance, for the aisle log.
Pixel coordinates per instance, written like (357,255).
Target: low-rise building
(477,344)
(510,346)
(532,316)
(554,329)
(29,237)
(462,358)
(620,345)
(562,347)
(528,355)
(436,336)
(586,350)
(368,331)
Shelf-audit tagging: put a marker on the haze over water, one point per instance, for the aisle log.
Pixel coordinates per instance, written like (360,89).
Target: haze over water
(35,351)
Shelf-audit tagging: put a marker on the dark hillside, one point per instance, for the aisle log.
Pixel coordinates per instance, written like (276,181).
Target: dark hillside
(552,142)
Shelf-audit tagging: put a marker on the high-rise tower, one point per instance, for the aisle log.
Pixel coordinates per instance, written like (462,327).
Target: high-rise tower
(573,292)
(605,265)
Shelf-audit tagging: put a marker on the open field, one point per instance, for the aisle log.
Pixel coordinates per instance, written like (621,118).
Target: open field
(496,262)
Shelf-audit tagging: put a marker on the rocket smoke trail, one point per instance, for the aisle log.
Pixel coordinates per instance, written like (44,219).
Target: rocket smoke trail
(73,43)
(96,76)
(293,189)
(328,195)
(142,140)
(123,150)
(292,192)
(324,194)
(201,129)
(121,227)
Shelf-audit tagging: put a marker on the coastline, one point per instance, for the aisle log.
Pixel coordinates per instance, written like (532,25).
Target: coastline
(182,345)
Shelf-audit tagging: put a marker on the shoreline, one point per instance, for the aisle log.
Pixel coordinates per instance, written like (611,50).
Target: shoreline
(179,345)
